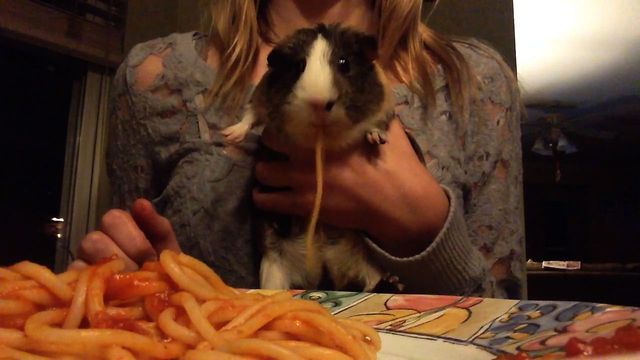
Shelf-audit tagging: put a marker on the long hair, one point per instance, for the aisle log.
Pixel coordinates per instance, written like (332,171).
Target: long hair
(408,49)
(233,32)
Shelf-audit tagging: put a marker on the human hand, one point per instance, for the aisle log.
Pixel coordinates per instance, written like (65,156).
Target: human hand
(391,196)
(135,237)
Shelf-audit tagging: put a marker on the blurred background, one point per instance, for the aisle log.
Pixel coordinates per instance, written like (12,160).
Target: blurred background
(577,61)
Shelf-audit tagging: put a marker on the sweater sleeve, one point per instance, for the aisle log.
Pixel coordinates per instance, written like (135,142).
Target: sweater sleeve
(128,164)
(149,115)
(480,249)
(449,265)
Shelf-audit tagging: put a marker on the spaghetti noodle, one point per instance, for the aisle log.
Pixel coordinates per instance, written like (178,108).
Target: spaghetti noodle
(317,201)
(175,308)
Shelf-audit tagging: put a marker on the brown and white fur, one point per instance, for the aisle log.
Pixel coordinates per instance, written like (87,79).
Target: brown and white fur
(324,76)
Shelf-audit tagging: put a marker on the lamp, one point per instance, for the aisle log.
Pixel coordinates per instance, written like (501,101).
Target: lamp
(545,143)
(552,142)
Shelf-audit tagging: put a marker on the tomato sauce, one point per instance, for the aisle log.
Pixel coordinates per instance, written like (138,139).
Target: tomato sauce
(132,285)
(104,321)
(156,303)
(14,321)
(626,339)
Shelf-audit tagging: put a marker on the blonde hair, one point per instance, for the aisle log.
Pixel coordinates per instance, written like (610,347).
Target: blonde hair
(233,32)
(408,49)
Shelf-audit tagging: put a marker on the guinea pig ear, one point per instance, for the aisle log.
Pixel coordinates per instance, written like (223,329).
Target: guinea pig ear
(369,46)
(276,58)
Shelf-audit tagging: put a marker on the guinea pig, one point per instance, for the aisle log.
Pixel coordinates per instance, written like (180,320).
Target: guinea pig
(322,77)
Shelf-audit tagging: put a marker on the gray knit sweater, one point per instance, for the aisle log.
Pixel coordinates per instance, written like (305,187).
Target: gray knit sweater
(165,145)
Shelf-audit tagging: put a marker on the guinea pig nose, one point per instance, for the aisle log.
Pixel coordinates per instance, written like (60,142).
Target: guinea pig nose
(329,105)
(318,105)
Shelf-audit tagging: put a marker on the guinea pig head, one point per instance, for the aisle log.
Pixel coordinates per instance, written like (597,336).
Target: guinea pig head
(323,77)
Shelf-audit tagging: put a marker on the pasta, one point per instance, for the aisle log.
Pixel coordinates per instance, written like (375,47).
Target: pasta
(174,308)
(317,200)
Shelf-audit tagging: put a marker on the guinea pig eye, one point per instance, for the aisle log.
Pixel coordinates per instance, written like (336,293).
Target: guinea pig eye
(301,64)
(343,65)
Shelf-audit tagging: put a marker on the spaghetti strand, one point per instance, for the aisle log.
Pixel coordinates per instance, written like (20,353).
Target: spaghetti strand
(317,201)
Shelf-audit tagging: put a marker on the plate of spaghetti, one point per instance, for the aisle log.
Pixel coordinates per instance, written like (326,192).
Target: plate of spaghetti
(174,308)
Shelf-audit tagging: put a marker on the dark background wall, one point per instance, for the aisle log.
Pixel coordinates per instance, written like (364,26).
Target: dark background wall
(148,19)
(488,20)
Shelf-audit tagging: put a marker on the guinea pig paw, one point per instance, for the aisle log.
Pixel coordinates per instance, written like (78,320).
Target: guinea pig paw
(234,134)
(377,137)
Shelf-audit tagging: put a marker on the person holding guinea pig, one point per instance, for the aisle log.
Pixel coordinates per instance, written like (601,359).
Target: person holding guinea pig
(440,203)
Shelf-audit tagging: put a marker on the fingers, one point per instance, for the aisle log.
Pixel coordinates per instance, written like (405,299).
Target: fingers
(77,265)
(135,237)
(127,235)
(284,202)
(274,174)
(398,138)
(157,228)
(395,127)
(96,246)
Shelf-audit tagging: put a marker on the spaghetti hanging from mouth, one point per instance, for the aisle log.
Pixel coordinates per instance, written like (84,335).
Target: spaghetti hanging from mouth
(315,213)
